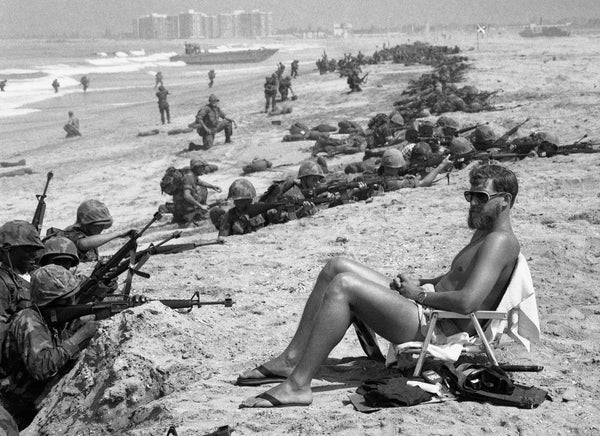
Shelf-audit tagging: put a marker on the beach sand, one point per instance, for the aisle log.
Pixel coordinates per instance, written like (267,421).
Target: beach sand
(150,367)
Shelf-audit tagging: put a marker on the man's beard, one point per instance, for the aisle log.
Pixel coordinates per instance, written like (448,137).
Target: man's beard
(479,221)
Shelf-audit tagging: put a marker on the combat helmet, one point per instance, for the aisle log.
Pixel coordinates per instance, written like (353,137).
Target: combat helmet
(393,158)
(51,282)
(94,212)
(310,168)
(197,163)
(59,247)
(212,98)
(483,137)
(461,145)
(241,189)
(421,151)
(19,233)
(446,121)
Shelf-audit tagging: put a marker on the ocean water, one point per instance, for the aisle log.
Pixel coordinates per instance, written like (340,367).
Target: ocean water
(30,66)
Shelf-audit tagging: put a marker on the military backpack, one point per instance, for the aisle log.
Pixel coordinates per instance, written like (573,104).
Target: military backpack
(171,181)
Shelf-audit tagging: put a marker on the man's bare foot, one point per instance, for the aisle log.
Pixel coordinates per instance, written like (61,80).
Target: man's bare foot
(274,371)
(283,395)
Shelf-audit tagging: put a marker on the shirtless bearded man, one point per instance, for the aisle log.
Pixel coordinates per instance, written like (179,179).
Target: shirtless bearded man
(346,289)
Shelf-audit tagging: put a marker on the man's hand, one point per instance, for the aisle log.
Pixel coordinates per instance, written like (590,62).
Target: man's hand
(406,286)
(216,188)
(202,207)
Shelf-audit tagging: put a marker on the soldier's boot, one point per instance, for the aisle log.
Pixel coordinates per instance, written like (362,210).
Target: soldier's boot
(228,132)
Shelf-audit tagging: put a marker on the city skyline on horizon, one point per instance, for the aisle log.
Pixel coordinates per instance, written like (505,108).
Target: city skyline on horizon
(90,18)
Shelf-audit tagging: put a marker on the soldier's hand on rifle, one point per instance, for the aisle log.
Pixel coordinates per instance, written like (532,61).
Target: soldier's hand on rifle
(127,233)
(202,207)
(86,332)
(216,188)
(308,205)
(362,186)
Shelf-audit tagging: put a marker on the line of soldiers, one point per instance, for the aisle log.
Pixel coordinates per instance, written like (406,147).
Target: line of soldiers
(34,274)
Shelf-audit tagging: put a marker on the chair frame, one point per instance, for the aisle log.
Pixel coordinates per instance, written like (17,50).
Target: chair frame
(475,317)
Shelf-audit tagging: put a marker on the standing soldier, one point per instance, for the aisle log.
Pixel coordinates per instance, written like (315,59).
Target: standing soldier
(294,68)
(211,78)
(189,200)
(19,244)
(158,79)
(72,126)
(207,123)
(55,85)
(271,88)
(2,84)
(85,82)
(163,104)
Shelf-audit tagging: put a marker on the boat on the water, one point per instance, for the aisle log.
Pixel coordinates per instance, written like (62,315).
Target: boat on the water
(533,30)
(229,55)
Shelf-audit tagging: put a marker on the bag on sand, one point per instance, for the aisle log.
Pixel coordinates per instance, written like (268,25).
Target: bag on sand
(171,181)
(488,383)
(257,165)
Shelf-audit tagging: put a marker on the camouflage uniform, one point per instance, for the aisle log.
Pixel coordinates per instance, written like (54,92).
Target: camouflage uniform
(183,211)
(32,353)
(210,116)
(271,86)
(236,221)
(8,426)
(14,290)
(163,104)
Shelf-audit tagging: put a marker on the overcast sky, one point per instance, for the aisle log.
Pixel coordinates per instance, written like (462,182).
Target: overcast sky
(93,17)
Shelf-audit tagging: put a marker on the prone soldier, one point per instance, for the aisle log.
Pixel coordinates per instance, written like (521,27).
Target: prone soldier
(93,218)
(33,353)
(19,245)
(245,216)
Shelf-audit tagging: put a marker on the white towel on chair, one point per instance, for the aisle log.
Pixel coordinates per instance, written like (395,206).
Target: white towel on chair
(523,323)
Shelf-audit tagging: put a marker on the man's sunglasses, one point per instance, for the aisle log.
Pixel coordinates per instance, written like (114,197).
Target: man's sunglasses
(481,196)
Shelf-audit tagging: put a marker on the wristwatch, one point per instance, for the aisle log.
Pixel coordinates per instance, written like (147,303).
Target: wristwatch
(421,297)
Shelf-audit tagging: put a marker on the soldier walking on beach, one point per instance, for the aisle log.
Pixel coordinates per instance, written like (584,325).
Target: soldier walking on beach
(158,79)
(163,104)
(85,82)
(72,126)
(211,78)
(2,84)
(55,85)
(207,122)
(294,68)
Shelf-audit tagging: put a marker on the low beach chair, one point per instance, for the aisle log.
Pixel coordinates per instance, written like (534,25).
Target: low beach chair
(516,316)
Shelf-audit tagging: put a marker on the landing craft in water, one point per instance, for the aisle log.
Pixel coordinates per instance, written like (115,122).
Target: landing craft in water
(533,30)
(229,55)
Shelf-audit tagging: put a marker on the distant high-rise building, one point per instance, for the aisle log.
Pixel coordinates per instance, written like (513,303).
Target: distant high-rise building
(226,25)
(153,26)
(172,27)
(191,24)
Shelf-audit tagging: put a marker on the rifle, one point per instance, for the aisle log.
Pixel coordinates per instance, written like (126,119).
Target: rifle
(504,138)
(468,129)
(576,147)
(101,270)
(363,79)
(141,257)
(57,316)
(40,210)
